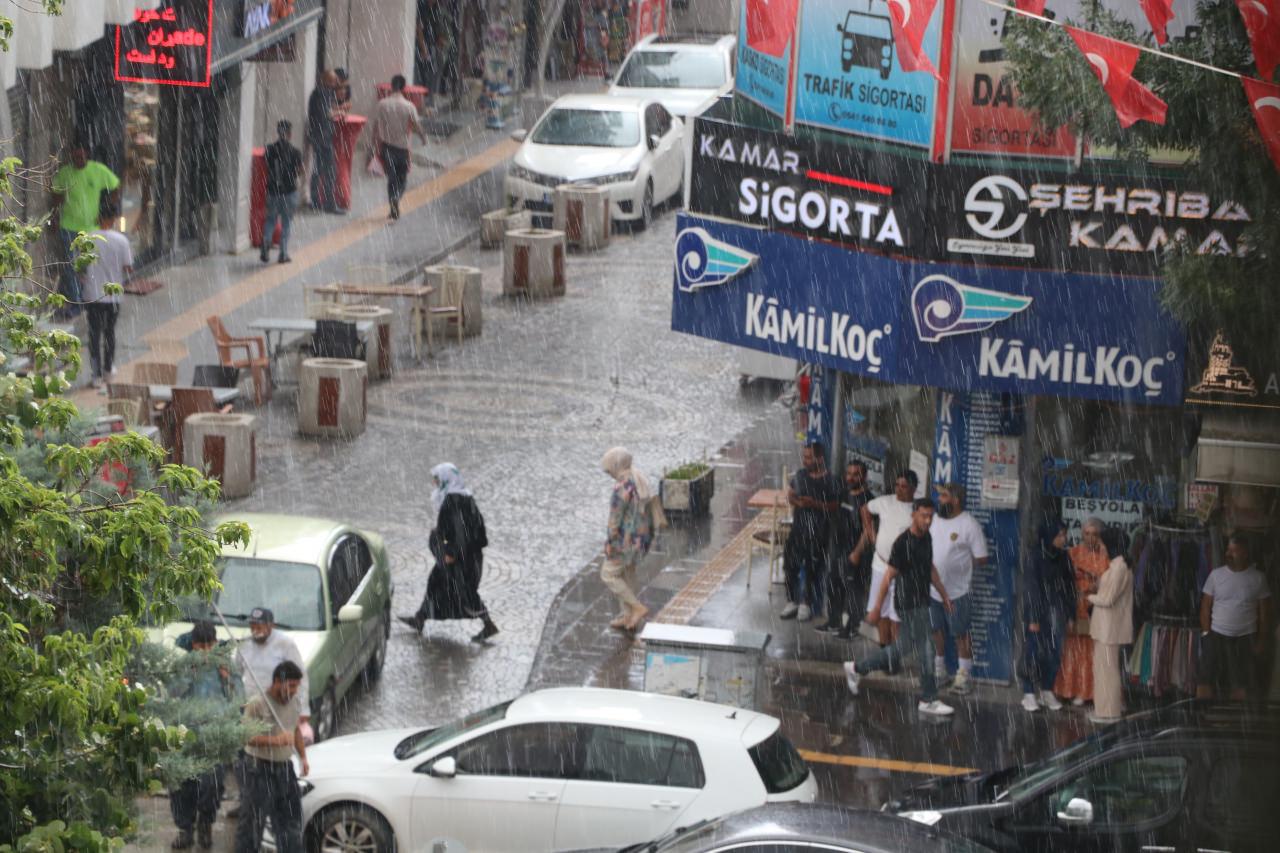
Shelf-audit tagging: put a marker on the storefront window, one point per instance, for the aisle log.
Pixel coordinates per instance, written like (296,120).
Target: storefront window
(888,427)
(138,201)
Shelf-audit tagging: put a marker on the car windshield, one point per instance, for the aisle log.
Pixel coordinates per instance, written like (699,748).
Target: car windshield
(292,591)
(781,768)
(420,742)
(1026,779)
(590,128)
(673,69)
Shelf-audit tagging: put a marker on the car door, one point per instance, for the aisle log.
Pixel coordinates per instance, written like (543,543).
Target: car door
(667,153)
(344,639)
(632,786)
(1127,803)
(368,594)
(1240,795)
(504,796)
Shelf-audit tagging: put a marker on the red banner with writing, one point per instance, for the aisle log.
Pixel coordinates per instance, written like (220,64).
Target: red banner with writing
(167,46)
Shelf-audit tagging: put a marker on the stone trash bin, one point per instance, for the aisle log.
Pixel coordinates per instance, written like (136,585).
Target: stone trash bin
(463,280)
(332,397)
(533,263)
(581,211)
(225,447)
(378,349)
(495,224)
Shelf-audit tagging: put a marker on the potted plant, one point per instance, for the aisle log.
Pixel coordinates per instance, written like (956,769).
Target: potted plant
(688,488)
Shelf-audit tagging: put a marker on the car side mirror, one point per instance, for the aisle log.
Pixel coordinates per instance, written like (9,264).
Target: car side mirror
(350,613)
(1079,812)
(519,135)
(654,139)
(445,768)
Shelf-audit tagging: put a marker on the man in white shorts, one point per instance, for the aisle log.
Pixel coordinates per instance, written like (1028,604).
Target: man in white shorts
(959,544)
(894,514)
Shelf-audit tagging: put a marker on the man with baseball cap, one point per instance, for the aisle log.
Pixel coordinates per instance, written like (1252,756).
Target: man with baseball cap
(258,655)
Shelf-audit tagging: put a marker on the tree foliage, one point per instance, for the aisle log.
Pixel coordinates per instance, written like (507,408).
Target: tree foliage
(82,568)
(1210,120)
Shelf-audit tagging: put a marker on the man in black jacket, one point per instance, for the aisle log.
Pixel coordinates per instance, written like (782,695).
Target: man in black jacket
(284,170)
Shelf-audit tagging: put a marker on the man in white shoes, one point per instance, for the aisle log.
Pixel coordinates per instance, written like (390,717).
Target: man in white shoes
(911,572)
(959,544)
(814,495)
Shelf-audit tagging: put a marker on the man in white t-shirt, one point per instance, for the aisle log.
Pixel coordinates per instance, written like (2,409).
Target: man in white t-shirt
(959,544)
(894,515)
(114,265)
(1235,620)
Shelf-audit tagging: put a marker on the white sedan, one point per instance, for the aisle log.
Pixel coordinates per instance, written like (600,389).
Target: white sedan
(554,769)
(631,145)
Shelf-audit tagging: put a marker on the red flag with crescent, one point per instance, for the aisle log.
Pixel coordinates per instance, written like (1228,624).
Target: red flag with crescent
(1264,100)
(1262,22)
(1159,14)
(909,19)
(1113,62)
(770,25)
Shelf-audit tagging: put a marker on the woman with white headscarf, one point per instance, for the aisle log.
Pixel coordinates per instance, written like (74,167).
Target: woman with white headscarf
(630,531)
(457,543)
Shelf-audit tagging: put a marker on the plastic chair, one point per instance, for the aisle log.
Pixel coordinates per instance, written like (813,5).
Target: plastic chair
(255,357)
(188,402)
(450,307)
(337,339)
(215,376)
(155,373)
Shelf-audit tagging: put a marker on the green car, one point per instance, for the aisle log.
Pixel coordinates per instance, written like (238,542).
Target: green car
(329,586)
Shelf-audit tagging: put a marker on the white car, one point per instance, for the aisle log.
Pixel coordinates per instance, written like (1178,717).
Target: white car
(682,73)
(633,146)
(555,769)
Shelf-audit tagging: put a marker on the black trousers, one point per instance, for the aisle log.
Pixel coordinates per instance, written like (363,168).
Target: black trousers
(102,336)
(324,177)
(395,162)
(270,791)
(847,588)
(804,566)
(197,800)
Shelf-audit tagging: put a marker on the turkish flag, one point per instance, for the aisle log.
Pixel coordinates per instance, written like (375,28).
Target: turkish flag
(770,25)
(1264,100)
(909,19)
(1035,7)
(1112,62)
(1262,22)
(1159,14)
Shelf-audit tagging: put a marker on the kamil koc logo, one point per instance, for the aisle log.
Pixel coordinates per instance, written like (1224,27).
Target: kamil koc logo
(943,307)
(703,261)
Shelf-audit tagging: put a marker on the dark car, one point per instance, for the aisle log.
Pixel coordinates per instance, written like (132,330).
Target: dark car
(1188,778)
(808,828)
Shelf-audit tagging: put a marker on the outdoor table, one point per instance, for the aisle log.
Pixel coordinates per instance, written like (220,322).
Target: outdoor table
(417,294)
(281,326)
(768,499)
(221,396)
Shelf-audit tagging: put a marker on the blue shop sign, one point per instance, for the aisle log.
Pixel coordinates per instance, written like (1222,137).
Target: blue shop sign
(923,323)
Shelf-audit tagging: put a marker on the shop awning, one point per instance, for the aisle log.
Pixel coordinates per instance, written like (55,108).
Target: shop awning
(1239,449)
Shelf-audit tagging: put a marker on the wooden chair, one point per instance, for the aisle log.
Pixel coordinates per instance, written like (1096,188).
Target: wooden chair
(155,373)
(255,357)
(771,539)
(141,393)
(188,402)
(135,411)
(450,307)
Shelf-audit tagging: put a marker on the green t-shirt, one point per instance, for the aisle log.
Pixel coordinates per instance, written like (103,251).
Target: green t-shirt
(82,190)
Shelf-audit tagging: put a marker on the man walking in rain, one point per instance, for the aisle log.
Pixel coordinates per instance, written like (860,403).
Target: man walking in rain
(910,572)
(959,544)
(284,170)
(78,188)
(394,125)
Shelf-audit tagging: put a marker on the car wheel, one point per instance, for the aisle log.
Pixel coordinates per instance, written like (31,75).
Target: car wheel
(351,829)
(646,207)
(373,669)
(324,716)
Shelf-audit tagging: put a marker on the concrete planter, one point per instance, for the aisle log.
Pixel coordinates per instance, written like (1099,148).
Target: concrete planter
(533,263)
(332,397)
(581,211)
(225,447)
(689,497)
(495,224)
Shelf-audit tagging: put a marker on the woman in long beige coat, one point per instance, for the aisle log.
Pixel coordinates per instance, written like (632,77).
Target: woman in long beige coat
(1111,626)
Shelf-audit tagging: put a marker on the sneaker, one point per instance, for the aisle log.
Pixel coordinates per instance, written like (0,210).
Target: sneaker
(1029,703)
(263,257)
(414,622)
(284,259)
(828,628)
(1078,702)
(790,611)
(486,632)
(1050,701)
(935,708)
(961,682)
(804,614)
(851,677)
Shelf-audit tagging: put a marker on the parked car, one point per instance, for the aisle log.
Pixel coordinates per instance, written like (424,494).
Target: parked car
(681,72)
(633,146)
(1192,777)
(554,769)
(807,828)
(329,586)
